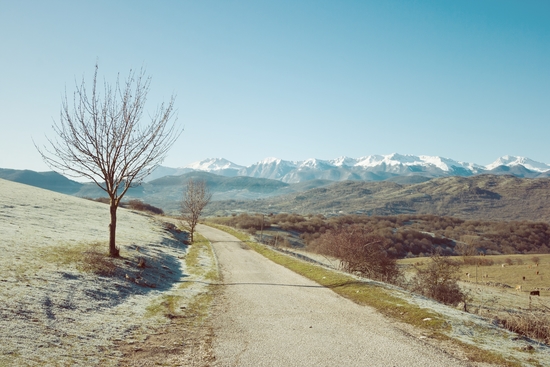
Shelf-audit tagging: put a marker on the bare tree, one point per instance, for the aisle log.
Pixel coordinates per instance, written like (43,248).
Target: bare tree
(195,198)
(100,137)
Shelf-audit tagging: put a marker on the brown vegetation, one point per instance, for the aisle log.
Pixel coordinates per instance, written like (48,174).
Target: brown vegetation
(133,204)
(439,280)
(141,206)
(413,235)
(250,223)
(533,324)
(360,252)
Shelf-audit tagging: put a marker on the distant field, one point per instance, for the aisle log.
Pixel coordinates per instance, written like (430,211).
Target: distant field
(495,291)
(515,268)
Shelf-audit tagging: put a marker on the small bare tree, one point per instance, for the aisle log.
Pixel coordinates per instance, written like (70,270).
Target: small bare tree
(195,198)
(101,138)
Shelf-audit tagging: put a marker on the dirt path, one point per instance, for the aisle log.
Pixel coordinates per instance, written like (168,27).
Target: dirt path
(270,316)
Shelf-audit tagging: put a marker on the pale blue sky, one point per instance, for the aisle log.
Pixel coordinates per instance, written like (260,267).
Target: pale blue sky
(467,80)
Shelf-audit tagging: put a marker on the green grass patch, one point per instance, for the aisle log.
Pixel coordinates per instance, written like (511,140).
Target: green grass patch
(200,247)
(200,307)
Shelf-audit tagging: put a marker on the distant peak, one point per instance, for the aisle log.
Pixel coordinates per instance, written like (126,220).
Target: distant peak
(212,164)
(344,161)
(270,160)
(510,160)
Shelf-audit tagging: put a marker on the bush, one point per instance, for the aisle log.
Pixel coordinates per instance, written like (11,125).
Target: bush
(360,252)
(102,200)
(534,325)
(439,281)
(481,261)
(133,204)
(141,206)
(97,262)
(245,221)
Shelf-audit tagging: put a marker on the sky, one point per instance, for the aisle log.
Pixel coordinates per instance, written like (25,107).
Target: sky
(466,80)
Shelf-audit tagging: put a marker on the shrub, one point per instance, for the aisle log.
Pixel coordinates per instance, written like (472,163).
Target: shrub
(438,281)
(245,221)
(141,206)
(534,325)
(360,252)
(481,261)
(102,200)
(97,262)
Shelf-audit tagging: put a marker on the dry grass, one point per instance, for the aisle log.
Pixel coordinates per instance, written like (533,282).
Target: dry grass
(496,297)
(532,324)
(512,274)
(88,257)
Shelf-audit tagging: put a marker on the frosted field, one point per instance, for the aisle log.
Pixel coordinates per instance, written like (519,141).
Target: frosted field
(52,312)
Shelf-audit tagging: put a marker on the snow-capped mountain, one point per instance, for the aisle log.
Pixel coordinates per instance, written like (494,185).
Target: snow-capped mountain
(344,162)
(215,165)
(218,166)
(403,164)
(272,168)
(511,161)
(369,168)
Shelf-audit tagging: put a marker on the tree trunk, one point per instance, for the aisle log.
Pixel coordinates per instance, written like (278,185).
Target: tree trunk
(113,250)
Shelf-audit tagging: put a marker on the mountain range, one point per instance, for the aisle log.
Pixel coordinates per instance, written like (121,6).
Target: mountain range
(369,168)
(375,185)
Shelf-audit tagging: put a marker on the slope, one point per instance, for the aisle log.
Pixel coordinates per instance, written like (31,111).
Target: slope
(478,197)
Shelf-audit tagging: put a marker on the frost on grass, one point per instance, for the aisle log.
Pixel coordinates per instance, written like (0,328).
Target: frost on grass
(63,302)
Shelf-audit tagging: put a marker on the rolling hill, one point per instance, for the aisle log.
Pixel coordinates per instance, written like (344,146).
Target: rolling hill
(498,197)
(479,197)
(46,180)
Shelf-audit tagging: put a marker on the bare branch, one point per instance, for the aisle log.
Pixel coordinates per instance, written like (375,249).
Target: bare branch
(100,136)
(195,199)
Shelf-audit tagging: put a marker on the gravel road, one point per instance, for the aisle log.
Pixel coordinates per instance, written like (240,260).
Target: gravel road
(270,316)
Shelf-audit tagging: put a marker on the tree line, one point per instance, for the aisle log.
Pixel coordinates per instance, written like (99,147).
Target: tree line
(413,235)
